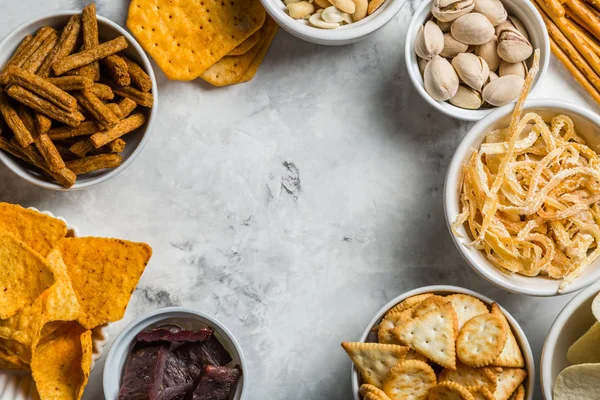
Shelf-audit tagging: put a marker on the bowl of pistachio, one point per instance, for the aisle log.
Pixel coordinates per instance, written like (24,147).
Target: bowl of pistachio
(467,57)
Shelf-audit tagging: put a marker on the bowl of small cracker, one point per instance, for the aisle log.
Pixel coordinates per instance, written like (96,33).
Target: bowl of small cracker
(570,363)
(78,101)
(439,342)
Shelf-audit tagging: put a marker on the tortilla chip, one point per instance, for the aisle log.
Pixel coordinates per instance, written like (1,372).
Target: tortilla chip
(40,231)
(187,37)
(104,273)
(24,275)
(11,361)
(61,363)
(23,330)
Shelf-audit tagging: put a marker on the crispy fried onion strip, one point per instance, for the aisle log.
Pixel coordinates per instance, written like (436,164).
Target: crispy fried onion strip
(530,198)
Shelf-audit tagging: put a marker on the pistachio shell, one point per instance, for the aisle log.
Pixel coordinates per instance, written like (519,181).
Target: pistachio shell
(513,46)
(491,77)
(466,97)
(444,26)
(473,28)
(519,25)
(489,52)
(452,47)
(471,69)
(430,41)
(492,9)
(440,79)
(422,63)
(519,69)
(449,10)
(503,90)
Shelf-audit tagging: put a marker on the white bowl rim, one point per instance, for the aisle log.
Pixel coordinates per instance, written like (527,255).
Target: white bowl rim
(149,124)
(346,33)
(552,337)
(168,310)
(451,195)
(457,112)
(521,337)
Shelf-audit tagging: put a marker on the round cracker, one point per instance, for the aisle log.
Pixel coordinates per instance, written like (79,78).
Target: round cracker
(481,340)
(409,380)
(409,302)
(450,391)
(374,396)
(367,388)
(466,307)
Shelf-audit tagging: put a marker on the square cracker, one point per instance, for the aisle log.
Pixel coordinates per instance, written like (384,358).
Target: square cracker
(246,45)
(230,70)
(262,53)
(186,37)
(374,360)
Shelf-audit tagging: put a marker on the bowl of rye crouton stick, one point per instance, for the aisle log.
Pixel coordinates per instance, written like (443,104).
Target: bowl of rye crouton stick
(78,100)
(442,342)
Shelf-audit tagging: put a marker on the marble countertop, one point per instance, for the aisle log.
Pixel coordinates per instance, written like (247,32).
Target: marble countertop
(291,207)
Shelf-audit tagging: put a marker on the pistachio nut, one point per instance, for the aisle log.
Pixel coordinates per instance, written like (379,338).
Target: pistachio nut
(346,6)
(361,9)
(332,14)
(449,10)
(488,51)
(473,28)
(503,90)
(519,25)
(513,46)
(471,69)
(317,21)
(452,47)
(300,10)
(422,63)
(504,25)
(440,79)
(444,26)
(466,97)
(492,9)
(519,69)
(322,3)
(491,77)
(430,41)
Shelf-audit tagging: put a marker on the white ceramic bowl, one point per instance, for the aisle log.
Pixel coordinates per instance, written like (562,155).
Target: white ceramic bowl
(522,9)
(135,140)
(346,34)
(573,321)
(587,124)
(18,385)
(114,367)
(369,336)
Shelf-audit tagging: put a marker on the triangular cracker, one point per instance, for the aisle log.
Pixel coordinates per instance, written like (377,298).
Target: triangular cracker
(511,355)
(508,381)
(481,393)
(374,360)
(518,394)
(409,380)
(450,391)
(470,377)
(389,322)
(466,307)
(432,335)
(409,302)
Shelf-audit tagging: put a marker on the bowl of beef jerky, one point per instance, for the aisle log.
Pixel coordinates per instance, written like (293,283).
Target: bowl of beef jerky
(175,353)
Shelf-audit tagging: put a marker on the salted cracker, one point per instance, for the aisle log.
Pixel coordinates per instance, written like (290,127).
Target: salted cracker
(409,380)
(466,307)
(370,392)
(508,381)
(375,396)
(413,355)
(470,377)
(186,37)
(518,394)
(450,391)
(511,355)
(374,360)
(409,302)
(432,335)
(389,322)
(481,393)
(481,340)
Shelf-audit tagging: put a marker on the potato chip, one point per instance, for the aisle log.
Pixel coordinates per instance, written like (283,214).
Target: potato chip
(24,275)
(511,355)
(508,381)
(409,380)
(596,307)
(481,340)
(449,391)
(61,363)
(466,307)
(578,382)
(587,348)
(40,231)
(104,273)
(374,360)
(518,394)
(187,37)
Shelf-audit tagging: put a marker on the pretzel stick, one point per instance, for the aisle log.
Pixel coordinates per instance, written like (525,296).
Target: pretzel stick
(15,123)
(67,83)
(65,46)
(590,42)
(42,88)
(66,132)
(18,53)
(88,56)
(90,40)
(594,3)
(553,7)
(576,20)
(37,58)
(94,163)
(46,148)
(43,106)
(582,11)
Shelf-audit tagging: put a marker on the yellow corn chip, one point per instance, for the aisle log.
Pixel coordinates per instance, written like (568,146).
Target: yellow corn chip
(24,275)
(104,273)
(11,361)
(374,360)
(23,330)
(61,363)
(511,355)
(246,45)
(40,231)
(186,37)
(229,70)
